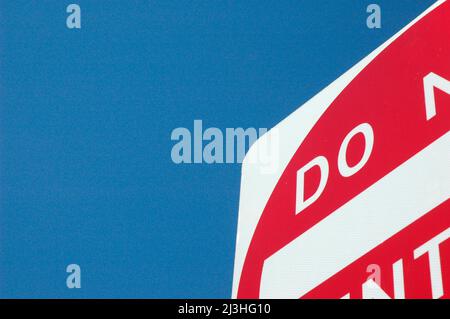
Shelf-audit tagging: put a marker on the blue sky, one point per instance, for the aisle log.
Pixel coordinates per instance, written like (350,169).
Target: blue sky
(86,116)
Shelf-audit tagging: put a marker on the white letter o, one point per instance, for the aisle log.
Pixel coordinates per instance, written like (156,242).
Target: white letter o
(343,167)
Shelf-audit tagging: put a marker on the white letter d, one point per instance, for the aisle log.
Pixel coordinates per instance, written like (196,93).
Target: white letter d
(301,203)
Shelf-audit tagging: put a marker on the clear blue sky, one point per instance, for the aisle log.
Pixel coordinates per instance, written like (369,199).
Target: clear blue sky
(86,115)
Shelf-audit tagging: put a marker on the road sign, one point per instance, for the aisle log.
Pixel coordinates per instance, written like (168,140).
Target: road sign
(357,203)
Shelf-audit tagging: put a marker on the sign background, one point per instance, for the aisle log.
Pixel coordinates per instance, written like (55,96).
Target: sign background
(85,120)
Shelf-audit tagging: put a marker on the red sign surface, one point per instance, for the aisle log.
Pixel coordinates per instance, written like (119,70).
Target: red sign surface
(357,205)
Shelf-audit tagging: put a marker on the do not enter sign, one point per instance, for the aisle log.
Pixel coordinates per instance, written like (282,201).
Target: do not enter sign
(356,204)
